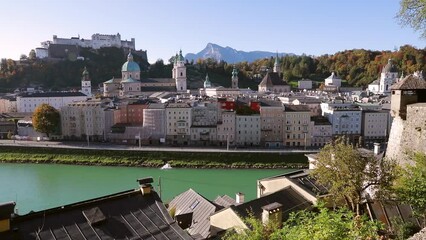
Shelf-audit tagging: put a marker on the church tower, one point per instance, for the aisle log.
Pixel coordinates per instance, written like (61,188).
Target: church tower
(277,67)
(86,84)
(179,72)
(234,78)
(388,77)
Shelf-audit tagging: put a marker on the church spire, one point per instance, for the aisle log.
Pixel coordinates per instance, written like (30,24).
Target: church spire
(130,56)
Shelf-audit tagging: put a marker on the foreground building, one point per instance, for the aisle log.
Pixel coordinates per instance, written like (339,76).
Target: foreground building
(132,214)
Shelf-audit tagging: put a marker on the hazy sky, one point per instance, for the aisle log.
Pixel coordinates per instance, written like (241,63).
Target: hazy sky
(163,27)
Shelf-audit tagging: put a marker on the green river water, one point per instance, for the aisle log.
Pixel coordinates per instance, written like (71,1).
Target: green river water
(42,186)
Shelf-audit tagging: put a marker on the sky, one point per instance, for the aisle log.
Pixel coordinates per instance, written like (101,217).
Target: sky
(162,27)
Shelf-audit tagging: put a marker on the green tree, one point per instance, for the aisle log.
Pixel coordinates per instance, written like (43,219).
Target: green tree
(350,174)
(413,13)
(411,185)
(46,119)
(323,224)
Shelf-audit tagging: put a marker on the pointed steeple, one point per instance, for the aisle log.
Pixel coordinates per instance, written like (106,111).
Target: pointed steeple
(207,82)
(276,60)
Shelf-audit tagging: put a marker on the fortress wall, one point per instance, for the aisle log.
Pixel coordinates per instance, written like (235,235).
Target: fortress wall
(409,135)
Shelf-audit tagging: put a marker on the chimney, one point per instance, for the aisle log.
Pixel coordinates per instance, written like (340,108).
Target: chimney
(239,198)
(376,148)
(272,212)
(145,185)
(6,210)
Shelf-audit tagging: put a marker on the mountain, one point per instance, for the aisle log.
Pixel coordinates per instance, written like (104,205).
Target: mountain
(229,54)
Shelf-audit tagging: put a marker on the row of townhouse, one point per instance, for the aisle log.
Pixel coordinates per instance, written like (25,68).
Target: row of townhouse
(221,123)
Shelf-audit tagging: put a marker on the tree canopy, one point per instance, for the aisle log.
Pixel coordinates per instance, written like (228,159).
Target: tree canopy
(413,13)
(46,119)
(350,174)
(322,224)
(411,186)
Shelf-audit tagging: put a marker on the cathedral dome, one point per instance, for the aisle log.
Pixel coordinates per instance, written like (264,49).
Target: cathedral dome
(130,65)
(390,67)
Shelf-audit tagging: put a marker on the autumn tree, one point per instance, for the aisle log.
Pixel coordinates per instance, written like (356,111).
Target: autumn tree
(46,119)
(413,13)
(351,174)
(411,186)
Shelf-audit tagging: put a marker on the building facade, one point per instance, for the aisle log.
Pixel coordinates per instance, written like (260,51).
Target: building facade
(178,123)
(247,130)
(297,132)
(30,101)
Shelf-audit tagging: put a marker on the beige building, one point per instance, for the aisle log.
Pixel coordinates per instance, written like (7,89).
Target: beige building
(178,123)
(247,130)
(321,130)
(154,122)
(226,129)
(272,119)
(297,126)
(8,105)
(82,120)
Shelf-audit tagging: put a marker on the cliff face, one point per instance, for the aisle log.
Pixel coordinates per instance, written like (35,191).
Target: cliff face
(409,135)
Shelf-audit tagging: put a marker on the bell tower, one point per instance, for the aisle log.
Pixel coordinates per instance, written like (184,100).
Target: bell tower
(86,84)
(179,72)
(234,78)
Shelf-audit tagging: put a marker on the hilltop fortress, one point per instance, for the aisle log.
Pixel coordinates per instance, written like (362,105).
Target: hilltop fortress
(50,49)
(408,107)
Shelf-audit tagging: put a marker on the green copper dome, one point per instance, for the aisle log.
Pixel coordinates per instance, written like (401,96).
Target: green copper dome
(180,57)
(234,72)
(130,66)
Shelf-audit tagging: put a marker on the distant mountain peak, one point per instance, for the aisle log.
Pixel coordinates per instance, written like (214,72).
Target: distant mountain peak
(229,54)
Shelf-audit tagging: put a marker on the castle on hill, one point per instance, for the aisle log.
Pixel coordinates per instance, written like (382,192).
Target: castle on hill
(61,47)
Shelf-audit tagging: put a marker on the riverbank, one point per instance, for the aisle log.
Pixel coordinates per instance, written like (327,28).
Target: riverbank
(20,154)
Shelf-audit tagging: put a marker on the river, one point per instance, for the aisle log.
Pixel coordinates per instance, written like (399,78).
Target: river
(42,186)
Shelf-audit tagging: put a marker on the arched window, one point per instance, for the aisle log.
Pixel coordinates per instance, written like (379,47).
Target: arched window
(181,74)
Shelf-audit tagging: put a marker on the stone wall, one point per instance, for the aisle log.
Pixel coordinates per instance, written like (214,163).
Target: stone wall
(408,135)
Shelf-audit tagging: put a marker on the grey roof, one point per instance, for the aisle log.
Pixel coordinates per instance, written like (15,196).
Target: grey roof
(191,201)
(270,103)
(296,108)
(156,106)
(125,215)
(158,80)
(54,94)
(158,89)
(390,67)
(289,198)
(224,201)
(410,82)
(320,120)
(272,79)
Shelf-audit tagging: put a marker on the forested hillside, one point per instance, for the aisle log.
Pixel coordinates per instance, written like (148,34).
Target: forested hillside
(358,67)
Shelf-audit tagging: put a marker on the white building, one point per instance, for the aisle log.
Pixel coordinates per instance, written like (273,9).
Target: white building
(332,83)
(247,132)
(42,53)
(388,76)
(28,102)
(304,84)
(375,125)
(226,129)
(179,72)
(344,117)
(84,120)
(178,123)
(374,86)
